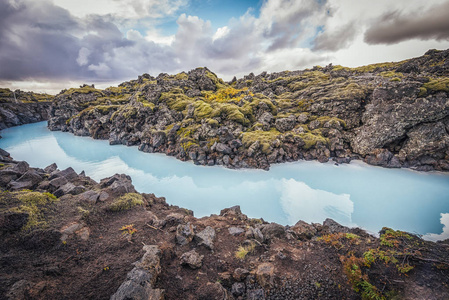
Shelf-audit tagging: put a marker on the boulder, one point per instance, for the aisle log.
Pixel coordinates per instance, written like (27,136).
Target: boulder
(334,227)
(265,274)
(192,259)
(140,281)
(272,230)
(238,289)
(240,274)
(184,234)
(236,231)
(206,237)
(303,231)
(285,124)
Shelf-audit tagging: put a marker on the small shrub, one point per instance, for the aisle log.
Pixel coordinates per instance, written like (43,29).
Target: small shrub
(242,251)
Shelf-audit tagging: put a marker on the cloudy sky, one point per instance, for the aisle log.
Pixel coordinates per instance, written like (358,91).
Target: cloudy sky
(47,45)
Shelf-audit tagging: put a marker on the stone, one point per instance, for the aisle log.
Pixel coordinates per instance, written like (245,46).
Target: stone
(174,219)
(254,233)
(21,167)
(334,227)
(51,168)
(264,274)
(89,197)
(240,274)
(192,259)
(118,184)
(234,210)
(212,291)
(103,196)
(4,153)
(222,148)
(19,290)
(236,231)
(238,289)
(285,124)
(256,294)
(150,261)
(69,188)
(184,234)
(69,174)
(140,281)
(303,231)
(206,237)
(273,230)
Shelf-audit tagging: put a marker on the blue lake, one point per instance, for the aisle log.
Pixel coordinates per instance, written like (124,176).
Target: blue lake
(354,194)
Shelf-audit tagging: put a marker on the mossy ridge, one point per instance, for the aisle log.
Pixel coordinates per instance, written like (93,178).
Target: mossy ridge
(126,202)
(34,204)
(176,99)
(86,89)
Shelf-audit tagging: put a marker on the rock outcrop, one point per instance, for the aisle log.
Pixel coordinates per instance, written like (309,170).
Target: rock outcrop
(18,107)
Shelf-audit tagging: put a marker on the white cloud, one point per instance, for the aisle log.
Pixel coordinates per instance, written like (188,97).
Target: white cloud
(220,33)
(83,56)
(102,70)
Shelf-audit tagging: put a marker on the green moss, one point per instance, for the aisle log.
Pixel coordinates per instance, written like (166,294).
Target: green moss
(396,79)
(326,119)
(311,139)
(203,110)
(422,92)
(439,84)
(181,76)
(391,74)
(176,99)
(265,138)
(84,90)
(126,202)
(186,144)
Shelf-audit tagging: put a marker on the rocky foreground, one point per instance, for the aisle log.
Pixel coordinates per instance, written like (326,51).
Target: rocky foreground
(392,115)
(65,236)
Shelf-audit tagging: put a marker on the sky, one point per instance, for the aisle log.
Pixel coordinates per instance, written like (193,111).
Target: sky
(49,45)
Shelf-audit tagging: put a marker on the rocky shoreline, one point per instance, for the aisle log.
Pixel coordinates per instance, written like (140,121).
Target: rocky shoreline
(65,236)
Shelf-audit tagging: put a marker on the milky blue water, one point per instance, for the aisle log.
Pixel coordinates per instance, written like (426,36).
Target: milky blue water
(354,194)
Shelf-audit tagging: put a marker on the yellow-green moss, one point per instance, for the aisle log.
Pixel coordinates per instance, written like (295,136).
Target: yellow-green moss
(265,138)
(84,90)
(32,203)
(126,202)
(311,139)
(181,76)
(176,99)
(422,92)
(438,84)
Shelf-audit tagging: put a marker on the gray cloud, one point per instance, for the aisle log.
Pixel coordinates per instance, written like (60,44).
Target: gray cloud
(336,39)
(395,27)
(39,40)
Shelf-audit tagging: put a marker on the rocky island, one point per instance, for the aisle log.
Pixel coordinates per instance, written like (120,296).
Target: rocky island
(66,236)
(390,114)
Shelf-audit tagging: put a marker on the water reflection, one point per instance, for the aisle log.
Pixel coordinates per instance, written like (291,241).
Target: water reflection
(354,195)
